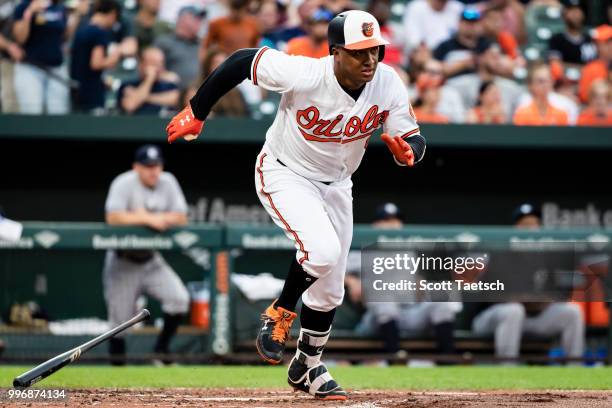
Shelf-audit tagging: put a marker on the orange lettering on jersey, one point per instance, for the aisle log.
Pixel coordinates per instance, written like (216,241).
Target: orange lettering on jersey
(322,130)
(308,117)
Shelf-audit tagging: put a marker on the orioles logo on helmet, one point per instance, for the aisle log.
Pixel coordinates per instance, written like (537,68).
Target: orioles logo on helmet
(367,29)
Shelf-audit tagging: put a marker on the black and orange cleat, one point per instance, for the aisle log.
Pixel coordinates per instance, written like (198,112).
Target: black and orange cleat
(274,333)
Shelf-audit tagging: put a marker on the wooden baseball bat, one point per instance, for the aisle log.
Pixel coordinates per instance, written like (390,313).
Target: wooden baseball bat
(54,364)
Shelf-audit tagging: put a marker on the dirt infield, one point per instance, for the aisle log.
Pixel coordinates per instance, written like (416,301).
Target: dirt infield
(186,397)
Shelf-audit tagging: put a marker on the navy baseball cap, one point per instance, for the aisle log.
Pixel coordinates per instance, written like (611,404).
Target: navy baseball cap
(149,155)
(386,211)
(471,14)
(193,10)
(570,3)
(524,210)
(321,15)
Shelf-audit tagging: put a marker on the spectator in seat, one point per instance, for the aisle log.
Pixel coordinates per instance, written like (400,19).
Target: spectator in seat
(426,106)
(269,19)
(41,27)
(90,57)
(314,44)
(539,111)
(180,47)
(430,22)
(234,31)
(233,102)
(146,26)
(513,17)
(387,319)
(280,22)
(459,54)
(599,110)
(381,10)
(599,68)
(573,46)
(491,66)
(493,28)
(155,92)
(450,104)
(489,108)
(10,53)
(507,322)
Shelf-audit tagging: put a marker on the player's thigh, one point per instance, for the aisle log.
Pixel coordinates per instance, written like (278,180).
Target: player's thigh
(339,208)
(325,294)
(122,282)
(416,316)
(328,292)
(553,319)
(503,313)
(163,284)
(296,205)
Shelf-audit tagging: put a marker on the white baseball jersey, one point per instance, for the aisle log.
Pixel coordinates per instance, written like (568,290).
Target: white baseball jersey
(320,132)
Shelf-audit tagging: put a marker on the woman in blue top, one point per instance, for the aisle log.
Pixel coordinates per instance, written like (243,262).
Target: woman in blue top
(41,27)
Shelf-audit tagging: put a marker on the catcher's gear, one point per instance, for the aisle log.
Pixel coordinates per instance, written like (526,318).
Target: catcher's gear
(184,125)
(355,30)
(316,381)
(402,152)
(274,333)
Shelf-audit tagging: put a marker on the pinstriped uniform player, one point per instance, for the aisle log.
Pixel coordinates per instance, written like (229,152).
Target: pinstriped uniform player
(329,109)
(147,196)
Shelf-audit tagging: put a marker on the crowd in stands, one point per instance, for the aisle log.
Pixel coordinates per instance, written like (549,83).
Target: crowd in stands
(527,62)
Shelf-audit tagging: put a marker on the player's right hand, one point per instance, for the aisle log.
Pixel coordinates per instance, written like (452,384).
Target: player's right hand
(400,148)
(184,125)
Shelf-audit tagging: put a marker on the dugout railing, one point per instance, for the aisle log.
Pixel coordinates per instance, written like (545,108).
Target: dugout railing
(59,265)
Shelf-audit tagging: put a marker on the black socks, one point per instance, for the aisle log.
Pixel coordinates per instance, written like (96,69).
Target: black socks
(116,347)
(389,332)
(443,332)
(314,320)
(171,323)
(296,283)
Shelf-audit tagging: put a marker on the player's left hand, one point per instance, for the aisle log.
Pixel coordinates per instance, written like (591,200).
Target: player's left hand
(184,125)
(400,148)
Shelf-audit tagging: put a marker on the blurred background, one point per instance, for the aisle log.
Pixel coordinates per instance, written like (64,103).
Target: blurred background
(514,98)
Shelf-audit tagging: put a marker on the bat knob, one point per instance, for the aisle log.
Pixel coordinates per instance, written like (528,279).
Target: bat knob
(146,314)
(18,383)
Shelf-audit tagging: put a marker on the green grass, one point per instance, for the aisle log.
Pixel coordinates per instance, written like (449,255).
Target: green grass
(438,378)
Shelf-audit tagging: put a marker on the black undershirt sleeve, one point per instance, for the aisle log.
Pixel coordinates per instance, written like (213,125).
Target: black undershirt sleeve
(418,144)
(235,69)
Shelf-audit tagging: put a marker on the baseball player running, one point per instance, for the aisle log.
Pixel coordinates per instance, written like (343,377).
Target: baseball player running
(330,107)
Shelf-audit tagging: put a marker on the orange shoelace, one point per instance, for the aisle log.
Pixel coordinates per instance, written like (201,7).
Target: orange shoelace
(282,325)
(280,332)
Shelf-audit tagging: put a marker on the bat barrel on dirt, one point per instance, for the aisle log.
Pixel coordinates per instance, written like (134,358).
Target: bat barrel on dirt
(52,365)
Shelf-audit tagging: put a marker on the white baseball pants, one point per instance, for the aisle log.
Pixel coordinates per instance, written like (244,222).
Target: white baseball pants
(317,217)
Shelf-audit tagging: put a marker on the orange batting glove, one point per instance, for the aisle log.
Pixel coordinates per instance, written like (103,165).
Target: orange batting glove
(400,148)
(184,125)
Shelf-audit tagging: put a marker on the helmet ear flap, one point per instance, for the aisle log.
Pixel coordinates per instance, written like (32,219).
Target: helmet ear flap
(381,53)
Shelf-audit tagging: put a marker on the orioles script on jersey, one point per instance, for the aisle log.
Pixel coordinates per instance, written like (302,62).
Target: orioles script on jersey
(313,128)
(317,119)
